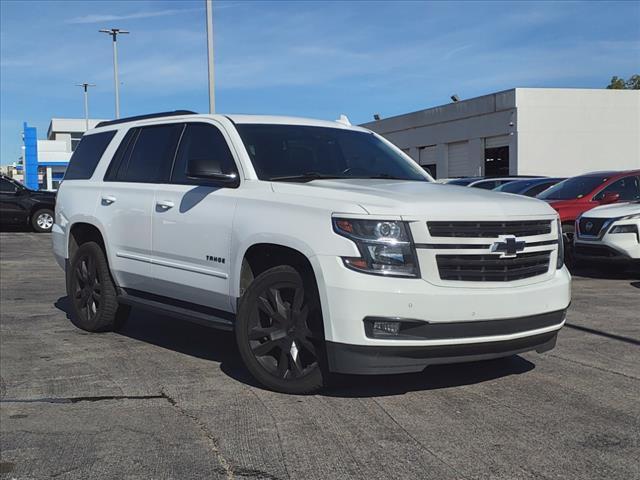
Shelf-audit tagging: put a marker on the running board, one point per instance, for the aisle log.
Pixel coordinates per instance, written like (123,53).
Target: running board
(200,314)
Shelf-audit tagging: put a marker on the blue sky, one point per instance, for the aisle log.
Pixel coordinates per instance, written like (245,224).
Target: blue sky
(300,58)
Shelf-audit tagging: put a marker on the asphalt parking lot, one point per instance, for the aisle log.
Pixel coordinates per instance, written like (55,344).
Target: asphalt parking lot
(167,399)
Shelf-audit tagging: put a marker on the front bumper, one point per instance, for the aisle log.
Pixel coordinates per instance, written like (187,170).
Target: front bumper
(616,246)
(449,324)
(369,360)
(59,245)
(349,297)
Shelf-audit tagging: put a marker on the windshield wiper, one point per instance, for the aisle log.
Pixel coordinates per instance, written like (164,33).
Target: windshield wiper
(305,177)
(387,176)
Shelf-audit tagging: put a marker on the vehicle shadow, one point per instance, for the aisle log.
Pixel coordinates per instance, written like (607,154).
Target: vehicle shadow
(219,346)
(434,377)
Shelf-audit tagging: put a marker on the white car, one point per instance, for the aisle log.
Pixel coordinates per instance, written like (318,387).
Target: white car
(610,232)
(322,245)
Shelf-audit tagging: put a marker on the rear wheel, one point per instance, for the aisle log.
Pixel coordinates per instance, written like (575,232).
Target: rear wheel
(94,302)
(42,220)
(279,331)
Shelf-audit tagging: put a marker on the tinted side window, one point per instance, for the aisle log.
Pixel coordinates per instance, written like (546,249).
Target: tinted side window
(7,187)
(203,141)
(628,188)
(86,157)
(152,155)
(122,155)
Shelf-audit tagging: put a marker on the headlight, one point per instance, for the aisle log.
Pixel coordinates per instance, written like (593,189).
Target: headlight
(624,229)
(386,247)
(560,261)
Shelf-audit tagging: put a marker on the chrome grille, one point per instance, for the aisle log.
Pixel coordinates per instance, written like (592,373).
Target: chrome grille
(492,268)
(472,229)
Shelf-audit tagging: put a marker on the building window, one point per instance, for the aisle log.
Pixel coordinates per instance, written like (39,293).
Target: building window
(496,161)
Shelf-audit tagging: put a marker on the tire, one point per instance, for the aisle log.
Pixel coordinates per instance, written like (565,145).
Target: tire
(42,220)
(94,302)
(279,332)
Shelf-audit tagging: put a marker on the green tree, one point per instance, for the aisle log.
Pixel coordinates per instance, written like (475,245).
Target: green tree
(634,82)
(620,84)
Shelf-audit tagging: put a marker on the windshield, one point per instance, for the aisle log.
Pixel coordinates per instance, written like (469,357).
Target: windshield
(304,153)
(572,188)
(463,182)
(513,187)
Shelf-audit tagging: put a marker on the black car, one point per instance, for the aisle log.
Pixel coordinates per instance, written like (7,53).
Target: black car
(20,205)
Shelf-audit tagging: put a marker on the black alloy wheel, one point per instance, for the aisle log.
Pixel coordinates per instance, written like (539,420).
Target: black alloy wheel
(87,287)
(92,291)
(278,332)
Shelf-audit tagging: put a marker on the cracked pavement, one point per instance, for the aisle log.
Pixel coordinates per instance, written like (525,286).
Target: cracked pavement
(167,399)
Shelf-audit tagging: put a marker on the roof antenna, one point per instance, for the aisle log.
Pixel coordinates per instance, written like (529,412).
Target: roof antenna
(344,120)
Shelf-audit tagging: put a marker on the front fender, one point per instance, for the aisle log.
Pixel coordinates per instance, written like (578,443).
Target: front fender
(261,238)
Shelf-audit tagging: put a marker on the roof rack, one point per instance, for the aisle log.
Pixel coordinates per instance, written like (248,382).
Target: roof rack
(144,117)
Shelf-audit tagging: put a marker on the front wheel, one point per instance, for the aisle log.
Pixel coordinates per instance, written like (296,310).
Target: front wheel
(278,332)
(42,220)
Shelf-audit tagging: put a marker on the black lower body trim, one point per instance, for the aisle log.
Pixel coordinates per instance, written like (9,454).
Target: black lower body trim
(598,252)
(411,329)
(373,360)
(192,312)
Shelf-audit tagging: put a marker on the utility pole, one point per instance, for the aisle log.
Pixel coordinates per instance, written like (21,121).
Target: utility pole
(85,87)
(212,95)
(114,32)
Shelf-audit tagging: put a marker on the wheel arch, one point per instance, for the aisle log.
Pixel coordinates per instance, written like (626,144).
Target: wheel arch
(81,232)
(40,206)
(261,256)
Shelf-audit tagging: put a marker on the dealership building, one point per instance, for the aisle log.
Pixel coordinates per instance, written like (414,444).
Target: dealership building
(44,162)
(522,131)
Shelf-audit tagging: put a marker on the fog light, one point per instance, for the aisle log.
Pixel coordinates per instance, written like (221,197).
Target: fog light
(386,327)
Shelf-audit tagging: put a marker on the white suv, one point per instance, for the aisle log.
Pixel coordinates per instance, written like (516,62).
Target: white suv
(322,245)
(609,233)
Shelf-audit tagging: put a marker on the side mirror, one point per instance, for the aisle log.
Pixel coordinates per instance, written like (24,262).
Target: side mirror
(209,168)
(610,197)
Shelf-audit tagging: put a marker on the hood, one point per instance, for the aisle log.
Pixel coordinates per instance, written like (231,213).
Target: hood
(565,203)
(614,211)
(407,198)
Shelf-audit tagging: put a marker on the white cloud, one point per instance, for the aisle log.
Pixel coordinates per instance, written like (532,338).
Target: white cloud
(101,18)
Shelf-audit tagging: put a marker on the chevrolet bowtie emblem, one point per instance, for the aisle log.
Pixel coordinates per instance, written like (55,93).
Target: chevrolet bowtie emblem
(509,247)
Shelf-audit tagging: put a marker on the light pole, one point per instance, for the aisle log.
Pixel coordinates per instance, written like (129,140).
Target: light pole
(212,95)
(85,87)
(114,35)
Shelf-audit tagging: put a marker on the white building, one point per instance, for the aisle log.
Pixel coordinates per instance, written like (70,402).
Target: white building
(524,131)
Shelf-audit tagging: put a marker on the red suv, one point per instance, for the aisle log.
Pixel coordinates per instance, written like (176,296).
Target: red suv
(576,195)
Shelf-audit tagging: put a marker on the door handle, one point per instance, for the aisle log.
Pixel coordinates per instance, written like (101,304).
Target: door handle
(108,199)
(164,204)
